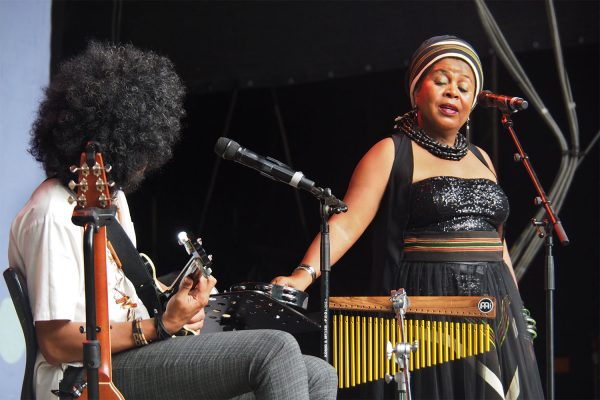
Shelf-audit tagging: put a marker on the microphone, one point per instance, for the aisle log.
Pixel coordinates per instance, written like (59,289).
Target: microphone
(267,166)
(502,102)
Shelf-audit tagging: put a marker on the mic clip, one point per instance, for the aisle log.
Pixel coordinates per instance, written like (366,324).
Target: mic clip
(332,204)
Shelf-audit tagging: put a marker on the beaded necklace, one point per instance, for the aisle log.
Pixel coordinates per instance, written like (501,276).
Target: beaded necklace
(407,124)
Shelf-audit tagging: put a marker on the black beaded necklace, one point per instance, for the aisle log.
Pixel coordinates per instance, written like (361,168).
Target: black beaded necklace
(407,124)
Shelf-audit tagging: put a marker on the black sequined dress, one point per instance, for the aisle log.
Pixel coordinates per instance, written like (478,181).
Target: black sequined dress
(447,207)
(440,215)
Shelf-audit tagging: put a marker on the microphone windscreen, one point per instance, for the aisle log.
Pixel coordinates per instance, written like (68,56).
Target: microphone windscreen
(482,98)
(226,148)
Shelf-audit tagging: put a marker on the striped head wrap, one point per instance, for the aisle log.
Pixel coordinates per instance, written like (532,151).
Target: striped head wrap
(436,48)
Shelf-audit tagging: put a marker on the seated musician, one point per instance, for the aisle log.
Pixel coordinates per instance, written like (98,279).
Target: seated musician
(131,102)
(438,213)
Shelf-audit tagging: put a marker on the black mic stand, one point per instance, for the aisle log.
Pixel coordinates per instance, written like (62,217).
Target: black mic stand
(329,205)
(91,219)
(551,223)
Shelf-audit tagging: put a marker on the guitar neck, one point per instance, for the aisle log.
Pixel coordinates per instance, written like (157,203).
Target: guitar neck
(102,317)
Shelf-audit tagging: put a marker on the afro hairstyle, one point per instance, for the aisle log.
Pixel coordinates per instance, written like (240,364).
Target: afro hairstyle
(128,100)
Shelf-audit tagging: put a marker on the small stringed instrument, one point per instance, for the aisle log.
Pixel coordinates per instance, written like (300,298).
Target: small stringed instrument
(200,263)
(94,211)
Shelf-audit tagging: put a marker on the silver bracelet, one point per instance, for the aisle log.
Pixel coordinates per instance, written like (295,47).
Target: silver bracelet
(309,269)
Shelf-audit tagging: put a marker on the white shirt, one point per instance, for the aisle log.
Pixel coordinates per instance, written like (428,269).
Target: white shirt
(48,249)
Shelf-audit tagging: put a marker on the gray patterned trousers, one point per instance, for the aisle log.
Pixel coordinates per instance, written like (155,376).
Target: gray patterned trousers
(253,364)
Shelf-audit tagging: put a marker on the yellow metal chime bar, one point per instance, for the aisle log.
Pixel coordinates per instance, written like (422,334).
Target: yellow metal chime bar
(359,345)
(361,331)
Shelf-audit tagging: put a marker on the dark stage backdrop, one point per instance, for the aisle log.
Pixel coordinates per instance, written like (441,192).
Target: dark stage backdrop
(331,74)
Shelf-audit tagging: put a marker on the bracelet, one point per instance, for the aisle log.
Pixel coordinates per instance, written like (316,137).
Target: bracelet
(138,334)
(161,331)
(309,269)
(530,323)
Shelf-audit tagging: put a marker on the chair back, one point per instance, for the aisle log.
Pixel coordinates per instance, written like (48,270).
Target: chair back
(17,287)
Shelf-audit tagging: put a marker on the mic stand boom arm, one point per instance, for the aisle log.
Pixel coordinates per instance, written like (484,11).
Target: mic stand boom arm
(541,199)
(552,223)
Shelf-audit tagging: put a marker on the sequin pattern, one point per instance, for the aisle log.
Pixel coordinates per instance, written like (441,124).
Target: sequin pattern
(450,204)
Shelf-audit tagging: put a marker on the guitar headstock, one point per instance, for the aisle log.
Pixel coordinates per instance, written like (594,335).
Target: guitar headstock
(92,187)
(194,248)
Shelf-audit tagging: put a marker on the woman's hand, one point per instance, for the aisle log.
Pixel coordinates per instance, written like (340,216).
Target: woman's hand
(187,305)
(298,280)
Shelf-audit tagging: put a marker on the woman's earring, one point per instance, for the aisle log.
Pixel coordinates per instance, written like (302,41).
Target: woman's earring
(468,130)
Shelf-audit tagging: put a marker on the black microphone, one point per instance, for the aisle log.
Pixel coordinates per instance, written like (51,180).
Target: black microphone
(502,102)
(267,166)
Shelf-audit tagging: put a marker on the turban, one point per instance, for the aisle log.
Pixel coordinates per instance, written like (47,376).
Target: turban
(436,48)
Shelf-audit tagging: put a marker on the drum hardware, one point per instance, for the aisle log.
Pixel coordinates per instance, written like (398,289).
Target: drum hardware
(254,309)
(402,353)
(402,349)
(283,294)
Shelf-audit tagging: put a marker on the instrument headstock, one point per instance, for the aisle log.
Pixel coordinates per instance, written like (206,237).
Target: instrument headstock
(92,186)
(200,259)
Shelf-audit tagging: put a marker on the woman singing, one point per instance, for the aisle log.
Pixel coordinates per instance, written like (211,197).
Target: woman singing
(426,185)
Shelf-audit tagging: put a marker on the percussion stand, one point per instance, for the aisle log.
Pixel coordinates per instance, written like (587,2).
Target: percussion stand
(329,205)
(402,350)
(549,224)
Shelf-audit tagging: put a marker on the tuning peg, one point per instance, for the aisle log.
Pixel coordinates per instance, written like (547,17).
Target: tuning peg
(103,200)
(107,168)
(83,185)
(81,201)
(85,170)
(210,257)
(182,238)
(199,241)
(100,185)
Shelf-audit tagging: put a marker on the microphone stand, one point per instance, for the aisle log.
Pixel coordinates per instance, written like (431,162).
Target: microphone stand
(91,219)
(544,229)
(329,205)
(278,171)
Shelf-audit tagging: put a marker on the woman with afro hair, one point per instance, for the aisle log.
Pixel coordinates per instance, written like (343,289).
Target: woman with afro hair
(131,102)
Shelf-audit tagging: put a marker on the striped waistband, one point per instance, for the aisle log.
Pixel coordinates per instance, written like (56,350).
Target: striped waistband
(453,246)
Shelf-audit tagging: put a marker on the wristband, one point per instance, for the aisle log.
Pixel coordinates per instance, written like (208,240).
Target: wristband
(138,334)
(161,331)
(309,269)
